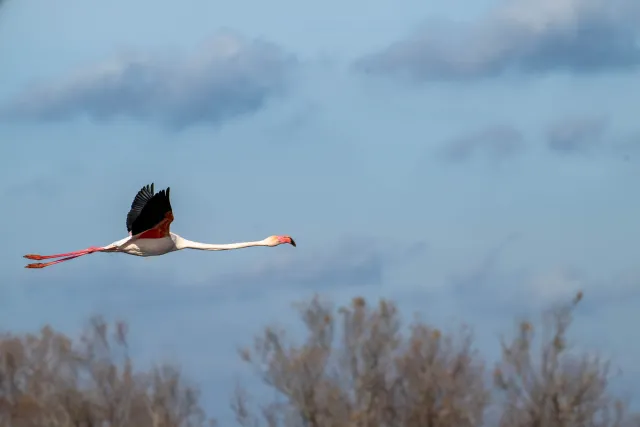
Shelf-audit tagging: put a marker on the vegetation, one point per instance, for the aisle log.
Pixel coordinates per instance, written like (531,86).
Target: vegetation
(357,367)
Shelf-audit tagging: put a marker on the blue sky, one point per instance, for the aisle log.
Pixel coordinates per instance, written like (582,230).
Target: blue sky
(472,162)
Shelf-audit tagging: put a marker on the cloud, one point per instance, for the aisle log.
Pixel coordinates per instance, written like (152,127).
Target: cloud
(576,134)
(497,141)
(523,36)
(491,281)
(350,261)
(227,77)
(556,284)
(482,273)
(628,146)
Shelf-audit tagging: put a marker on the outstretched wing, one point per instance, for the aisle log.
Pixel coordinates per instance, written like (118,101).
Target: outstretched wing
(150,211)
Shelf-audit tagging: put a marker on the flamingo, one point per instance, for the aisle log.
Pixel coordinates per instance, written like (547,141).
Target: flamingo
(148,223)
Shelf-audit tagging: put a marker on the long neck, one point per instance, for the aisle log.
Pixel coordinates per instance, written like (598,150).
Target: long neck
(188,244)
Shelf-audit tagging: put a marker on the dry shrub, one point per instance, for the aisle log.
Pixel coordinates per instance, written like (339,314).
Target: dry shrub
(356,368)
(47,381)
(559,387)
(369,375)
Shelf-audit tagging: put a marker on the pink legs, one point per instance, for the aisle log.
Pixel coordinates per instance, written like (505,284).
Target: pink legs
(68,256)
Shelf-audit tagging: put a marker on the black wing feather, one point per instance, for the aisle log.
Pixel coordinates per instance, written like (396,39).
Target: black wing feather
(138,203)
(148,209)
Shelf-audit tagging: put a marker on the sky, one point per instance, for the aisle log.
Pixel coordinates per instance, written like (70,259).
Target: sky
(472,161)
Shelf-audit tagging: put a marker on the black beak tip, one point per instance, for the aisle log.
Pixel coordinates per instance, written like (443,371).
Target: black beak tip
(293,242)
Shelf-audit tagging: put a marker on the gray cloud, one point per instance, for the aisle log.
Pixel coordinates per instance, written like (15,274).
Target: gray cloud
(521,36)
(482,272)
(225,78)
(576,134)
(490,281)
(497,141)
(351,261)
(628,146)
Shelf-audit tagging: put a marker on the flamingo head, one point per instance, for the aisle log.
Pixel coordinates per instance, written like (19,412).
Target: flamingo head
(279,240)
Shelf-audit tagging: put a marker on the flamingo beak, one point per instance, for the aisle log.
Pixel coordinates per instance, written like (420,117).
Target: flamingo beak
(285,239)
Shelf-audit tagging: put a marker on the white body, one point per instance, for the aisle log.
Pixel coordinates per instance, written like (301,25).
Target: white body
(145,247)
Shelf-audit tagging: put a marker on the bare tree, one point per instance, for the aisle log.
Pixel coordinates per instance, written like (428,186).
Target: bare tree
(46,380)
(356,368)
(559,388)
(367,375)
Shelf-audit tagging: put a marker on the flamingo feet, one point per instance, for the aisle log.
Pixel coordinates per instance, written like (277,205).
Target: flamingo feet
(36,265)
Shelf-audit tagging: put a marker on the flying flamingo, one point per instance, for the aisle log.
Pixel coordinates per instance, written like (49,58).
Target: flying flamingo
(148,224)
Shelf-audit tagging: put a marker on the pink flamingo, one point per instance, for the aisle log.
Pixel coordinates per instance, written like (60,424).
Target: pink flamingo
(148,224)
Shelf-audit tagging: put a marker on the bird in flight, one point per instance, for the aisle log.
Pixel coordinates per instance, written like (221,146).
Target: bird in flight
(148,224)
